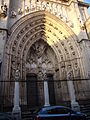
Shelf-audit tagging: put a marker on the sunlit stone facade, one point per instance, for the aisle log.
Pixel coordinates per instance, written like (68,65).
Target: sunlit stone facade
(53,36)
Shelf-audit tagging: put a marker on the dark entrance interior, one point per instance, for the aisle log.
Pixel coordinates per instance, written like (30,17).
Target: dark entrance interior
(51,89)
(32,91)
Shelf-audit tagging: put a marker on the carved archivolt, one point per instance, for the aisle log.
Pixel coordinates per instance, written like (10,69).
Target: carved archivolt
(24,41)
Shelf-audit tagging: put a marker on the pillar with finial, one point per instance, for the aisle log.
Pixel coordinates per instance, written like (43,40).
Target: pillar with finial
(16,113)
(46,92)
(74,104)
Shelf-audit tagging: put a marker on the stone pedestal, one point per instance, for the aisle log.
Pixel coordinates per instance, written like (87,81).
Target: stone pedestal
(75,106)
(16,113)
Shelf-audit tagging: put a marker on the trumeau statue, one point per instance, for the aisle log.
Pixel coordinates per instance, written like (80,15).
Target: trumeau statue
(63,71)
(3,10)
(76,70)
(69,73)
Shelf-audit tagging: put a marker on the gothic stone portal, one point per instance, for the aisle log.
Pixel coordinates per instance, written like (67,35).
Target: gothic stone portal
(39,57)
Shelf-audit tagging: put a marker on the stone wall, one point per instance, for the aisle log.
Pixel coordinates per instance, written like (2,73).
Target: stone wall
(87,23)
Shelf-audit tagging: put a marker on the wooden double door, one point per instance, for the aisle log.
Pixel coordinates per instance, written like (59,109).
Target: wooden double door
(32,90)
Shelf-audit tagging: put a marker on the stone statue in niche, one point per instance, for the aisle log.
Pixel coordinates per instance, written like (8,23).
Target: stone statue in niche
(20,11)
(13,67)
(39,49)
(18,66)
(39,60)
(4,10)
(32,64)
(40,75)
(76,70)
(88,74)
(28,66)
(63,72)
(49,65)
(13,14)
(27,9)
(69,73)
(44,66)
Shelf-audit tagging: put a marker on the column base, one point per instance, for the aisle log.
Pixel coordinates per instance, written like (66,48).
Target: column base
(75,106)
(16,113)
(46,105)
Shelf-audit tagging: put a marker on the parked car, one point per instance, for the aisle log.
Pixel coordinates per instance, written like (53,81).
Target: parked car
(5,116)
(59,113)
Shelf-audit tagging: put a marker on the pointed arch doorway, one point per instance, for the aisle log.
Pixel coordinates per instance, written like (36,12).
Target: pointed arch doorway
(40,56)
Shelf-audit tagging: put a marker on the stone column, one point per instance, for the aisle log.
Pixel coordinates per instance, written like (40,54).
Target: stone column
(24,6)
(75,106)
(35,5)
(86,59)
(85,55)
(86,12)
(16,109)
(2,2)
(46,92)
(41,5)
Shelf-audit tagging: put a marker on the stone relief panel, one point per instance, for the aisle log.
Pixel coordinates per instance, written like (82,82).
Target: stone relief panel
(39,57)
(69,72)
(76,70)
(63,72)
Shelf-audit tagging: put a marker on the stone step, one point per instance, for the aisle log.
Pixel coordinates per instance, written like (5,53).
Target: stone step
(85,107)
(28,115)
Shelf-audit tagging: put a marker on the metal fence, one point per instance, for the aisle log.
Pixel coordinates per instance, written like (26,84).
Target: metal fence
(32,93)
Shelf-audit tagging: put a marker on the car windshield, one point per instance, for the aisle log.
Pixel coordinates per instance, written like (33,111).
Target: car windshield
(58,111)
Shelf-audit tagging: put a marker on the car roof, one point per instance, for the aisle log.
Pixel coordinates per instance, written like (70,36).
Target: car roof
(53,107)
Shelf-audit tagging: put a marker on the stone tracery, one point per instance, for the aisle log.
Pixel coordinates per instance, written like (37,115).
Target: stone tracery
(38,57)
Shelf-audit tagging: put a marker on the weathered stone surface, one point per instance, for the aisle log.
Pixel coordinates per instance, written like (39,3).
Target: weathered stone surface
(50,35)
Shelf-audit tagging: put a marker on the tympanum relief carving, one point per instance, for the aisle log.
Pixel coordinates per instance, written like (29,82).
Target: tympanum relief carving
(39,57)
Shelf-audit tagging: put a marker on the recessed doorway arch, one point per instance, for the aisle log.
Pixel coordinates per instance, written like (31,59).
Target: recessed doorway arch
(58,36)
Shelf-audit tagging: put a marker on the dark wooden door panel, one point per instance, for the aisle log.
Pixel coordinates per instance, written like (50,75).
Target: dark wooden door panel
(51,89)
(32,91)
